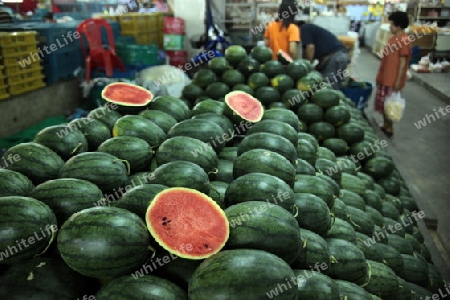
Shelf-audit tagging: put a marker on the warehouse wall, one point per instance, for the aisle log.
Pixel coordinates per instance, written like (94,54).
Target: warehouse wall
(193,12)
(22,111)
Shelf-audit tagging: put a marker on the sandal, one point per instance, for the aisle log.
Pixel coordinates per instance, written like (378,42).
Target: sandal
(387,133)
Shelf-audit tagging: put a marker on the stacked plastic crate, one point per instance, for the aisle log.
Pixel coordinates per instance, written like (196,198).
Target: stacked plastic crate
(21,61)
(173,42)
(142,26)
(60,48)
(3,89)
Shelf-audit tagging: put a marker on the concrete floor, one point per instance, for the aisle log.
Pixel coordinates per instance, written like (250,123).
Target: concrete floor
(421,154)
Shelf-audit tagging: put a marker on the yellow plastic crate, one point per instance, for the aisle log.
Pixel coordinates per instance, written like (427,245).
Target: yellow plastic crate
(147,38)
(19,49)
(160,39)
(4,92)
(26,86)
(17,38)
(21,59)
(25,76)
(133,24)
(160,20)
(2,81)
(151,22)
(17,68)
(109,18)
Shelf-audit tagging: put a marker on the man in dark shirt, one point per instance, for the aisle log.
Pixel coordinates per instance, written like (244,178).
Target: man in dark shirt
(318,43)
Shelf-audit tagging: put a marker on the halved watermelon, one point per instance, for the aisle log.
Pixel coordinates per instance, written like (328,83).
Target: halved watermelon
(187,223)
(245,106)
(126,94)
(284,58)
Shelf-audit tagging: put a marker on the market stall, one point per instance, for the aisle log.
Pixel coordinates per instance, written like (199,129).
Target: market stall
(245,175)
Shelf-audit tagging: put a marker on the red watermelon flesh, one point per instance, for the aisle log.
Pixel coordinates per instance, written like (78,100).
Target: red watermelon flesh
(245,105)
(126,94)
(187,223)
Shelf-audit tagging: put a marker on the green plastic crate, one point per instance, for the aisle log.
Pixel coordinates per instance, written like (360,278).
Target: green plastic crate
(138,54)
(173,42)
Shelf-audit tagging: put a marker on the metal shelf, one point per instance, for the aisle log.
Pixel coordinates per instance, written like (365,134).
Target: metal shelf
(432,18)
(267,5)
(435,7)
(239,4)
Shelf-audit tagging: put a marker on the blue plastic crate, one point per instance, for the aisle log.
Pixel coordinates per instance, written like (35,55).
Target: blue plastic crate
(61,65)
(359,96)
(60,35)
(125,39)
(130,73)
(115,28)
(73,15)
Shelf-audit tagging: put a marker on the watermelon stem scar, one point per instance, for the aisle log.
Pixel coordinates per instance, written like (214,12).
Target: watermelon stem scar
(187,223)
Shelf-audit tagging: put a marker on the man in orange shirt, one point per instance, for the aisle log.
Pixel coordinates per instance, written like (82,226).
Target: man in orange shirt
(394,63)
(283,34)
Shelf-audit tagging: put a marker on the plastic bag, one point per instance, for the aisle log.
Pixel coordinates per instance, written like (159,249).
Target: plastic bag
(394,106)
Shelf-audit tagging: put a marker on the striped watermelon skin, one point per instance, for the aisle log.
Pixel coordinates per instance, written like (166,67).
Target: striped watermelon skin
(315,185)
(353,184)
(140,127)
(160,118)
(351,263)
(341,229)
(135,151)
(37,162)
(104,242)
(139,198)
(313,213)
(224,171)
(349,290)
(67,196)
(241,274)
(416,270)
(105,114)
(312,284)
(172,106)
(187,149)
(14,184)
(315,250)
(361,221)
(182,174)
(145,287)
(401,244)
(95,131)
(270,142)
(102,169)
(259,187)
(382,281)
(51,279)
(392,258)
(24,218)
(370,252)
(352,199)
(201,129)
(340,209)
(64,140)
(267,162)
(248,219)
(376,216)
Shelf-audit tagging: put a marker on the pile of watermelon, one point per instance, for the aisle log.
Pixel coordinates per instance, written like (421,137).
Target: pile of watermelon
(254,185)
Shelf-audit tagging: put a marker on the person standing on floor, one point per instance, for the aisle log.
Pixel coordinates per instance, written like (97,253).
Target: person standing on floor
(318,43)
(283,34)
(394,63)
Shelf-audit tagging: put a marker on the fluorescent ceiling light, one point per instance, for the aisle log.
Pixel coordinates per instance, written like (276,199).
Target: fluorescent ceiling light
(12,1)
